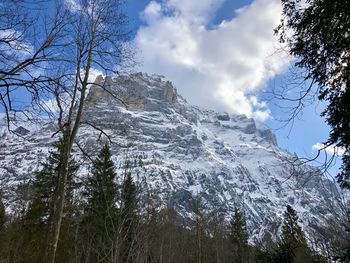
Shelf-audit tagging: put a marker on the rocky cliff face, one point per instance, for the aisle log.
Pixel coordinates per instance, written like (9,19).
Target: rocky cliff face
(180,152)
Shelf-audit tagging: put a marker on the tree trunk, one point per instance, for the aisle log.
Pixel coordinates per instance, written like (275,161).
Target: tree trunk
(54,231)
(68,141)
(199,243)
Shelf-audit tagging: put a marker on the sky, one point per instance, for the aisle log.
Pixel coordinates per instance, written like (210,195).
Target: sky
(222,55)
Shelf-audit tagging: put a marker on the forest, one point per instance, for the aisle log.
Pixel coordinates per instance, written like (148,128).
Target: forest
(49,54)
(107,222)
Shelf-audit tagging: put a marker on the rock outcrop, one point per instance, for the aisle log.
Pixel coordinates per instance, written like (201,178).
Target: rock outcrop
(182,152)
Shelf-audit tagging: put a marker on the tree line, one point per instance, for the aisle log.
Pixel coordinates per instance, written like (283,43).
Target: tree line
(106,221)
(49,50)
(52,55)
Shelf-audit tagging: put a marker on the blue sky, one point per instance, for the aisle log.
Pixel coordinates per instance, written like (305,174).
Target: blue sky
(222,54)
(134,9)
(298,137)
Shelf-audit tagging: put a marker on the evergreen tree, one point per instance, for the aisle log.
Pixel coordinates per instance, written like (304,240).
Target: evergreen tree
(44,187)
(291,231)
(2,213)
(100,220)
(36,221)
(317,35)
(199,229)
(3,230)
(265,256)
(293,246)
(239,237)
(129,219)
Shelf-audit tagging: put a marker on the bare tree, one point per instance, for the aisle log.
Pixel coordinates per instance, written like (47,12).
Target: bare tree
(30,46)
(97,40)
(317,35)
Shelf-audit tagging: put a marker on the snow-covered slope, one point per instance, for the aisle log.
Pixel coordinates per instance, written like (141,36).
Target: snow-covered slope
(185,152)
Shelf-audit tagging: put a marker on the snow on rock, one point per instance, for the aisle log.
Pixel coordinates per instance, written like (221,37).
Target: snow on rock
(182,152)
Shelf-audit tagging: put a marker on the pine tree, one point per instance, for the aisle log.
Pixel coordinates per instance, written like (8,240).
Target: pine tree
(36,221)
(129,219)
(291,231)
(45,184)
(317,35)
(293,246)
(100,220)
(2,213)
(199,232)
(239,237)
(3,232)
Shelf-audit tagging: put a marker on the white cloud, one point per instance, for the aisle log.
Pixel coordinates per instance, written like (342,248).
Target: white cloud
(73,5)
(51,106)
(94,73)
(79,6)
(197,12)
(331,149)
(13,43)
(222,67)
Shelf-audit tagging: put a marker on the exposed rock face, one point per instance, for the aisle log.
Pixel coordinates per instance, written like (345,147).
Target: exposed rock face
(21,131)
(170,93)
(185,152)
(223,116)
(96,91)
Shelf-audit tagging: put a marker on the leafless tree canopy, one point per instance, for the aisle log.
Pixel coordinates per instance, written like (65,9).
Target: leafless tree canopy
(50,56)
(44,55)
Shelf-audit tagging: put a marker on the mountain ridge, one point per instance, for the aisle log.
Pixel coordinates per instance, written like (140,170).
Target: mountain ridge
(186,152)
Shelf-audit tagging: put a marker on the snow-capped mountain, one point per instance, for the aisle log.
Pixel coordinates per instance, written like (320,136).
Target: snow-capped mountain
(181,152)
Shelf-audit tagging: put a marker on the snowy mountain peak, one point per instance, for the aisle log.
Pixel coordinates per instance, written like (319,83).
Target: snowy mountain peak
(136,92)
(183,153)
(153,93)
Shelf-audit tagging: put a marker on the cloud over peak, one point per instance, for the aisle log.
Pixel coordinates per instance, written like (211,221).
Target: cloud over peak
(221,67)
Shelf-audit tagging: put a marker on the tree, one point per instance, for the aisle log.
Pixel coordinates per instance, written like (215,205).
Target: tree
(45,184)
(291,231)
(317,34)
(129,219)
(148,234)
(2,213)
(293,246)
(199,226)
(239,237)
(221,246)
(36,221)
(29,56)
(100,220)
(96,38)
(51,55)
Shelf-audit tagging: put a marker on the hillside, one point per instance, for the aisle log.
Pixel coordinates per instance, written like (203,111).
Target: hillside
(182,152)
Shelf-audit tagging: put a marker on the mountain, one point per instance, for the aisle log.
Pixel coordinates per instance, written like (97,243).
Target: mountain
(179,153)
